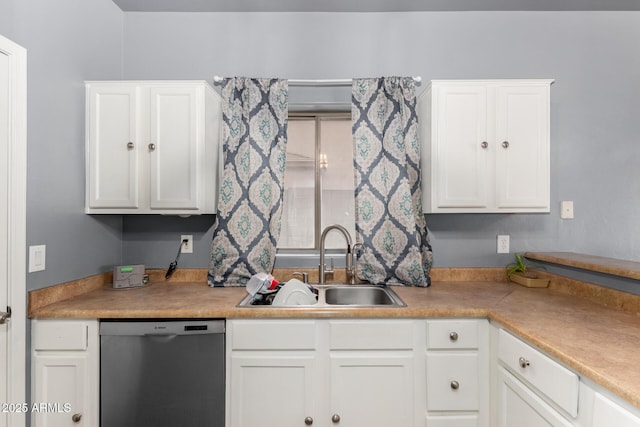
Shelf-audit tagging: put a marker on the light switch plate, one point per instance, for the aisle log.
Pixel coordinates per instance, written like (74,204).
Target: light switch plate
(566,210)
(37,258)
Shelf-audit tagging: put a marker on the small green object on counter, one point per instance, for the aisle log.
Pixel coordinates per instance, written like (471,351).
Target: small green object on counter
(518,272)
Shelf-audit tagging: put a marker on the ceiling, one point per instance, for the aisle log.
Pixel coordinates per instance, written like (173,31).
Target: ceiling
(372,5)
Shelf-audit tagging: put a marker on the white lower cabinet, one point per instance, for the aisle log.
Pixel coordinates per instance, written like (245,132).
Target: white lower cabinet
(457,379)
(358,372)
(273,389)
(348,373)
(65,373)
(520,406)
(531,389)
(372,372)
(322,373)
(607,412)
(371,389)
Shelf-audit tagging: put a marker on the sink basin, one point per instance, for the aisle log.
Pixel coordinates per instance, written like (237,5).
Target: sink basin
(343,295)
(361,296)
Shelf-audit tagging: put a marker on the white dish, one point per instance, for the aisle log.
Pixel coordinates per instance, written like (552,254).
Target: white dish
(294,292)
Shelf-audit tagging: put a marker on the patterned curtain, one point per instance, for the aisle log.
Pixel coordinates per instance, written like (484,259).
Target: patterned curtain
(389,219)
(247,226)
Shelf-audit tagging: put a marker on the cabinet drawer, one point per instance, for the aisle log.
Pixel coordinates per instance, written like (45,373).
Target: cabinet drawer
(452,334)
(452,381)
(59,335)
(453,421)
(371,335)
(272,334)
(552,379)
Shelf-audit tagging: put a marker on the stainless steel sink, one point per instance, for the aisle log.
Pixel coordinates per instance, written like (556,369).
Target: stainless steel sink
(361,296)
(343,295)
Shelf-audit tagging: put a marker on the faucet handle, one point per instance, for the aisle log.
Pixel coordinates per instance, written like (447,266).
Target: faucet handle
(357,248)
(303,275)
(328,270)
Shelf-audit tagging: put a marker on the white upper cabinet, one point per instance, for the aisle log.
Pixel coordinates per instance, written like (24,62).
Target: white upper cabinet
(485,146)
(152,147)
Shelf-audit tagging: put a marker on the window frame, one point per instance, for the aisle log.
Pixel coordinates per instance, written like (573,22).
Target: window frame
(318,117)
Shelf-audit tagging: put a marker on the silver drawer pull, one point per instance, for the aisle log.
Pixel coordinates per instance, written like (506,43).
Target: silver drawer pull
(76,418)
(5,315)
(335,418)
(523,362)
(455,385)
(453,336)
(308,421)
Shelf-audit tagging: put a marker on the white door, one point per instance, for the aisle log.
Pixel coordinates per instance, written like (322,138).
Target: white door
(522,146)
(61,380)
(273,390)
(113,147)
(173,148)
(372,389)
(518,406)
(462,147)
(12,231)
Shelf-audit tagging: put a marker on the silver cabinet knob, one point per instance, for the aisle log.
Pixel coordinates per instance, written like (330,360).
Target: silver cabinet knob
(5,315)
(130,145)
(523,362)
(308,421)
(484,144)
(505,144)
(455,385)
(152,147)
(76,418)
(453,336)
(335,418)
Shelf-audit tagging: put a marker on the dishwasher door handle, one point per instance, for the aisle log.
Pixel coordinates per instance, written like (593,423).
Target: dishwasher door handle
(160,337)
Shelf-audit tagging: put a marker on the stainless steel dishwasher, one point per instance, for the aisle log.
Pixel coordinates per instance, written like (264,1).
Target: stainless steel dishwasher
(159,373)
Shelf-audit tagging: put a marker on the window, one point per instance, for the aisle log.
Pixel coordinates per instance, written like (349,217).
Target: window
(318,182)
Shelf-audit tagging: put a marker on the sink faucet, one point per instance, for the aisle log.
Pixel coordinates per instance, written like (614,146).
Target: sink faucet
(349,255)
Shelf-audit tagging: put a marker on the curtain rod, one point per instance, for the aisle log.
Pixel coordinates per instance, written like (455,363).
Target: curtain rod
(321,82)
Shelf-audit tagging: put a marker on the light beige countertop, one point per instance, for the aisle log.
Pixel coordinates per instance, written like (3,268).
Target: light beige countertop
(593,330)
(615,267)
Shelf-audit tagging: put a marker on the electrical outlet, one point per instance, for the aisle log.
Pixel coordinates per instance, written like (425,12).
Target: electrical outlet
(503,244)
(187,247)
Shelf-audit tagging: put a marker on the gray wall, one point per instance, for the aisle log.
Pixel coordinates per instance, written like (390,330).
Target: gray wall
(594,112)
(595,105)
(67,42)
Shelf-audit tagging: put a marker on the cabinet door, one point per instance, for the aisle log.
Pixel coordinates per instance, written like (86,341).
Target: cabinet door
(174,147)
(518,406)
(272,390)
(522,146)
(452,381)
(60,389)
(112,147)
(373,389)
(608,413)
(461,152)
